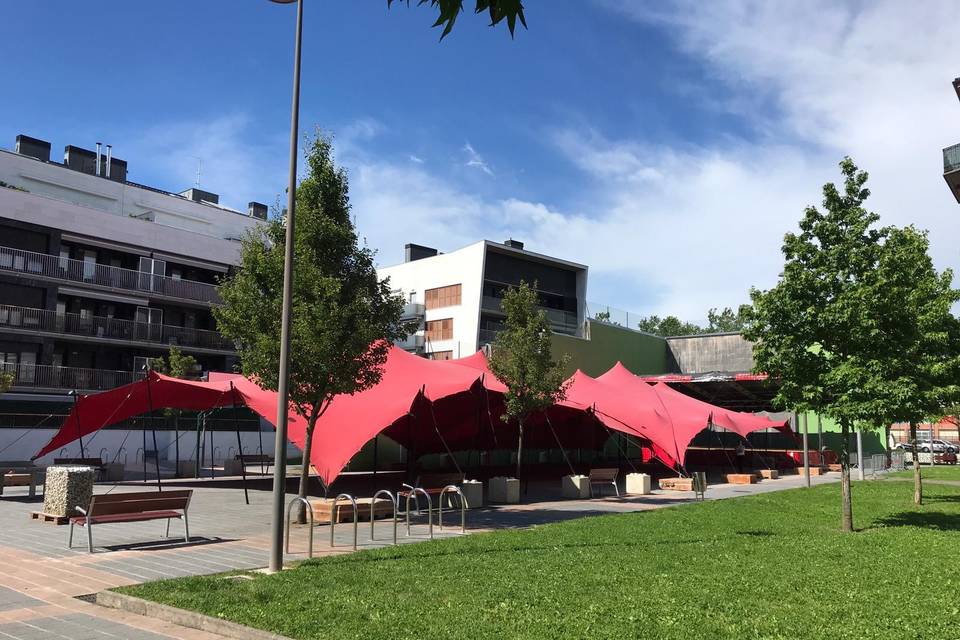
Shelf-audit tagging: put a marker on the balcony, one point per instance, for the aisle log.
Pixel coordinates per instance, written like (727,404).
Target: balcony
(39,377)
(412,342)
(951,169)
(74,324)
(413,311)
(486,336)
(560,321)
(42,265)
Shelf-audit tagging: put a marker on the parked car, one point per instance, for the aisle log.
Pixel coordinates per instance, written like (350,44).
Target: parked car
(904,446)
(938,446)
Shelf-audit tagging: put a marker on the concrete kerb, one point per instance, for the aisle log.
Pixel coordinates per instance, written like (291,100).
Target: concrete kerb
(191,619)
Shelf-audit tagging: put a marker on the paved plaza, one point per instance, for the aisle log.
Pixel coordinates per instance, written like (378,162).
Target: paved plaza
(43,584)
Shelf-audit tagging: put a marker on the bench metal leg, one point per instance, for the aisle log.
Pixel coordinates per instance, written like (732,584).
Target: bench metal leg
(186,528)
(89,536)
(167,534)
(616,489)
(70,537)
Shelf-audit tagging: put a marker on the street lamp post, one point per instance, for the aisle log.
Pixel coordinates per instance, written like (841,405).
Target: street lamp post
(283,401)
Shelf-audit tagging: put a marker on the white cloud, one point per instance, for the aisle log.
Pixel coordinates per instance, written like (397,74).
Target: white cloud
(415,159)
(680,230)
(475,160)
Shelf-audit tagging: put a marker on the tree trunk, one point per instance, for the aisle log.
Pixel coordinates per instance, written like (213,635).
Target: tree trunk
(917,482)
(305,470)
(519,446)
(846,508)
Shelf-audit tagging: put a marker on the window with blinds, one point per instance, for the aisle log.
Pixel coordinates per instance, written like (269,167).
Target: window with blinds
(439,329)
(448,296)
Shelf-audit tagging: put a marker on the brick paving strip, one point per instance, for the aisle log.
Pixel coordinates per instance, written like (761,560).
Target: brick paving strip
(41,581)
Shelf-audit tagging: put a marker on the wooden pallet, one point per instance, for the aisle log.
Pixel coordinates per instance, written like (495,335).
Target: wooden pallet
(676,484)
(48,517)
(741,478)
(322,508)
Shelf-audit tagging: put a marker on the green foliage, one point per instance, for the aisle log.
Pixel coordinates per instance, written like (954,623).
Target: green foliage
(704,570)
(668,326)
(498,10)
(343,318)
(603,316)
(6,381)
(177,365)
(859,327)
(522,358)
(728,320)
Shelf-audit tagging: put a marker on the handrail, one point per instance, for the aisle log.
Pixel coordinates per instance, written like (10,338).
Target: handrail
(213,454)
(32,319)
(373,505)
(452,488)
(139,455)
(309,511)
(413,493)
(45,265)
(333,517)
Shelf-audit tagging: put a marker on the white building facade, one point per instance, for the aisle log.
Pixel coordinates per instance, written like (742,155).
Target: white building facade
(455,298)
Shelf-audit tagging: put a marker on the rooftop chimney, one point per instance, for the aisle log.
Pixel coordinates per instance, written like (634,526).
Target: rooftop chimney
(417,252)
(257,210)
(514,244)
(199,195)
(32,147)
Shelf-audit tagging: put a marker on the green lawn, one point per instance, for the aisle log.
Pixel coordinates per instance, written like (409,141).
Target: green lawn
(767,566)
(940,472)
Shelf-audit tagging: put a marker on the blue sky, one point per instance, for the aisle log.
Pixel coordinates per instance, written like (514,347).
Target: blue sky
(667,145)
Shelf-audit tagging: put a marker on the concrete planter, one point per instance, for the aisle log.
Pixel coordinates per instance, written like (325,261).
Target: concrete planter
(187,468)
(576,487)
(232,467)
(472,493)
(503,490)
(638,484)
(114,471)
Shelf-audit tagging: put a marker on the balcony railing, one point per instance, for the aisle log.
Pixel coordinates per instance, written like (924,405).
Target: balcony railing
(412,311)
(40,376)
(69,270)
(109,328)
(487,336)
(951,158)
(561,321)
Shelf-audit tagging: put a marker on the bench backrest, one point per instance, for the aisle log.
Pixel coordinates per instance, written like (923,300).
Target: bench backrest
(253,457)
(140,502)
(603,475)
(438,480)
(85,462)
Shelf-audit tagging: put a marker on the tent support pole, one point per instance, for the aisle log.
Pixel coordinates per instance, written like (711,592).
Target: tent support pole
(143,456)
(213,462)
(376,461)
(153,429)
(197,459)
(76,416)
(236,427)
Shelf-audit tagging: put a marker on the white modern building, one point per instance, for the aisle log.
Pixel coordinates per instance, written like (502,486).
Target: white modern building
(456,296)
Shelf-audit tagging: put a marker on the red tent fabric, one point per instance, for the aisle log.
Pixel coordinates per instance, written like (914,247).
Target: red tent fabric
(687,416)
(155,391)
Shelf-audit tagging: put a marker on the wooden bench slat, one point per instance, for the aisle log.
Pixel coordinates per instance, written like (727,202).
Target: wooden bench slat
(141,495)
(127,517)
(137,506)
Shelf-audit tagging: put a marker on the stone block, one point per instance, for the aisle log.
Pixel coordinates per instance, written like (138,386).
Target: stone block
(575,487)
(638,483)
(66,488)
(503,490)
(769,474)
(741,478)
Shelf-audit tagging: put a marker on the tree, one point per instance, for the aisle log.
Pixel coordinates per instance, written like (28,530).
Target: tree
(343,319)
(176,365)
(834,332)
(927,364)
(522,360)
(668,326)
(6,381)
(498,10)
(727,321)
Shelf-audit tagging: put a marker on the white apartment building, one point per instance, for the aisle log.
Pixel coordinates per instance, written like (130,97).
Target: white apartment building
(456,296)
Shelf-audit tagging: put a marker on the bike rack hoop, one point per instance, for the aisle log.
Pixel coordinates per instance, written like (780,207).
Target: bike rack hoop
(413,494)
(452,488)
(333,517)
(373,505)
(309,509)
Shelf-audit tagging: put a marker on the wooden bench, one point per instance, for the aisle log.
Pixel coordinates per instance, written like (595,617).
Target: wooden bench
(254,458)
(17,474)
(602,477)
(133,507)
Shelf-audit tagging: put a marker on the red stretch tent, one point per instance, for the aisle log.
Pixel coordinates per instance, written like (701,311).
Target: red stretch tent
(155,391)
(687,416)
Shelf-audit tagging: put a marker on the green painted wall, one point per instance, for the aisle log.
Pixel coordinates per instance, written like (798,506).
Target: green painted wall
(641,353)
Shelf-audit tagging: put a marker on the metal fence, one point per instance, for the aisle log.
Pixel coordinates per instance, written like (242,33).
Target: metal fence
(41,376)
(57,268)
